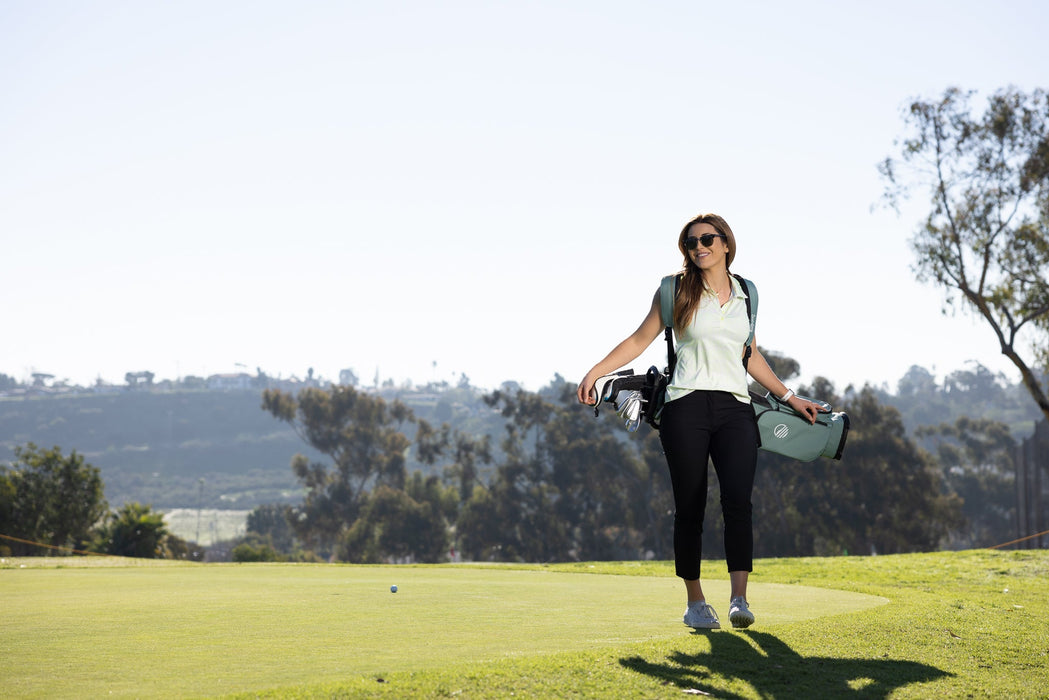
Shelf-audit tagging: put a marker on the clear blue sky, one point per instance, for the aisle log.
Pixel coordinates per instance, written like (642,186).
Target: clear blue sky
(423,189)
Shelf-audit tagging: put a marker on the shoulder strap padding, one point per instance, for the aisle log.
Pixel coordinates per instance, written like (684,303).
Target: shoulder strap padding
(752,304)
(667,292)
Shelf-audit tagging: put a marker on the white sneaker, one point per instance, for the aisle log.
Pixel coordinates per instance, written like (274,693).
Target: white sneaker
(702,617)
(739,614)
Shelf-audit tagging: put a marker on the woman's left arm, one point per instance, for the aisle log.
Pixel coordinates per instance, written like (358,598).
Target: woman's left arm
(758,368)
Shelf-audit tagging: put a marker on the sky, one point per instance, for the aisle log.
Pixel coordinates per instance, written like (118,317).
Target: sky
(422,190)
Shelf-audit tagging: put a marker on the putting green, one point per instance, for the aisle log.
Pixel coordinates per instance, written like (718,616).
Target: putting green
(211,629)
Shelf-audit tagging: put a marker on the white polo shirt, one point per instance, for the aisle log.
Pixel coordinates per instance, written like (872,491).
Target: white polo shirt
(710,350)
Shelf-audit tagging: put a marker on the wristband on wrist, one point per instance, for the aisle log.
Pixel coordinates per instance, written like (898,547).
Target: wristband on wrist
(786,397)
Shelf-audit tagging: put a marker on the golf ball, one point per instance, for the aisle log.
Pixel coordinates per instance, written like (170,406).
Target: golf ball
(393,589)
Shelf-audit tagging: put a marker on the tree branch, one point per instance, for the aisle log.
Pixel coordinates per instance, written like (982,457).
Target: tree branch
(1041,311)
(947,212)
(1030,381)
(1002,225)
(985,310)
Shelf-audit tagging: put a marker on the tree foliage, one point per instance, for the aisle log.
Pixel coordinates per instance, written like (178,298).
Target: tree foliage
(254,548)
(7,383)
(269,537)
(985,240)
(362,507)
(977,459)
(973,391)
(136,530)
(394,526)
(270,521)
(362,436)
(565,486)
(174,547)
(568,488)
(50,498)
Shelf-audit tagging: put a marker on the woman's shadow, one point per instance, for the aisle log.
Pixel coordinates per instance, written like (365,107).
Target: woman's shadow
(772,669)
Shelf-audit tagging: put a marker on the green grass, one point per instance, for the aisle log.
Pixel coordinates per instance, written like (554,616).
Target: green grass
(945,624)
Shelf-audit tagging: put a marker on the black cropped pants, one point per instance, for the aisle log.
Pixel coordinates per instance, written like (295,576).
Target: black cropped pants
(694,427)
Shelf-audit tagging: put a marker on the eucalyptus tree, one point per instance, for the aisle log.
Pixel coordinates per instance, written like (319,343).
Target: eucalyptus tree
(985,239)
(363,437)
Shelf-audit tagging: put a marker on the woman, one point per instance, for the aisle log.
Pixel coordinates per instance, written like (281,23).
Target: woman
(707,412)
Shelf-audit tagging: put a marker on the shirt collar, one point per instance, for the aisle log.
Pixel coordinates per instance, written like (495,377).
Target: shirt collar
(737,288)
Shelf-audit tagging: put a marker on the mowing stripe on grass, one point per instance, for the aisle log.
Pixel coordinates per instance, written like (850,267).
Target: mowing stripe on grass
(210,629)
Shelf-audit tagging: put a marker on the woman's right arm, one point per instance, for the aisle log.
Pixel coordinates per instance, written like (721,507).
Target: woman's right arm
(627,351)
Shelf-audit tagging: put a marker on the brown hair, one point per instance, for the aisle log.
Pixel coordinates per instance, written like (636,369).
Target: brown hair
(690,290)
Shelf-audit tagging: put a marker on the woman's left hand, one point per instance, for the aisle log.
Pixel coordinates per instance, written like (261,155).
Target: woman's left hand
(806,408)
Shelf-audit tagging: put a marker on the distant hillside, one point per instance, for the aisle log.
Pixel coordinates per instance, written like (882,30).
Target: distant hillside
(155,446)
(973,391)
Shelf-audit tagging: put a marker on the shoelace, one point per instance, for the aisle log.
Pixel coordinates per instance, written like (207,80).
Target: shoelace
(707,610)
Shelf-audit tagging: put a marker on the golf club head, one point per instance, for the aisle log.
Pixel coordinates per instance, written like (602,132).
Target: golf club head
(628,405)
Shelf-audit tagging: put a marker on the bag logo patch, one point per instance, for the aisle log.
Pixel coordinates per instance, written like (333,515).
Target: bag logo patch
(781,431)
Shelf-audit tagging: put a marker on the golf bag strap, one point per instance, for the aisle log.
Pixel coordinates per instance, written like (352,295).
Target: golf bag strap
(752,304)
(668,333)
(752,313)
(667,294)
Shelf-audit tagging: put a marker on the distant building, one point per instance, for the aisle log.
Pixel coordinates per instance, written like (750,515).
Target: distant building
(137,380)
(41,379)
(229,382)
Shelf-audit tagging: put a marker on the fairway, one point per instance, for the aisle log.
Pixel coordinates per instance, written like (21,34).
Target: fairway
(177,630)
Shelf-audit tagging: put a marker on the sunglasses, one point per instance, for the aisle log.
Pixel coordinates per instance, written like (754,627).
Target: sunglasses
(692,242)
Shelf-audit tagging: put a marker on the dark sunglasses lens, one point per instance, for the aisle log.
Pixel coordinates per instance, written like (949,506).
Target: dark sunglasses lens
(705,240)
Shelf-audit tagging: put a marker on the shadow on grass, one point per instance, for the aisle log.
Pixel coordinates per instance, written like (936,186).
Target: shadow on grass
(772,669)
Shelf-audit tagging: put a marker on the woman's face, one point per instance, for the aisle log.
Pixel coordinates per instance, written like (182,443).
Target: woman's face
(709,256)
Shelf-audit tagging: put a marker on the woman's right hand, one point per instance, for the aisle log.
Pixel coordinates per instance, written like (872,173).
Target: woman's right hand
(585,391)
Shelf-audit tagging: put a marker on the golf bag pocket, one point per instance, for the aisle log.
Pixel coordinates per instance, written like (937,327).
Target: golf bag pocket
(655,394)
(784,431)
